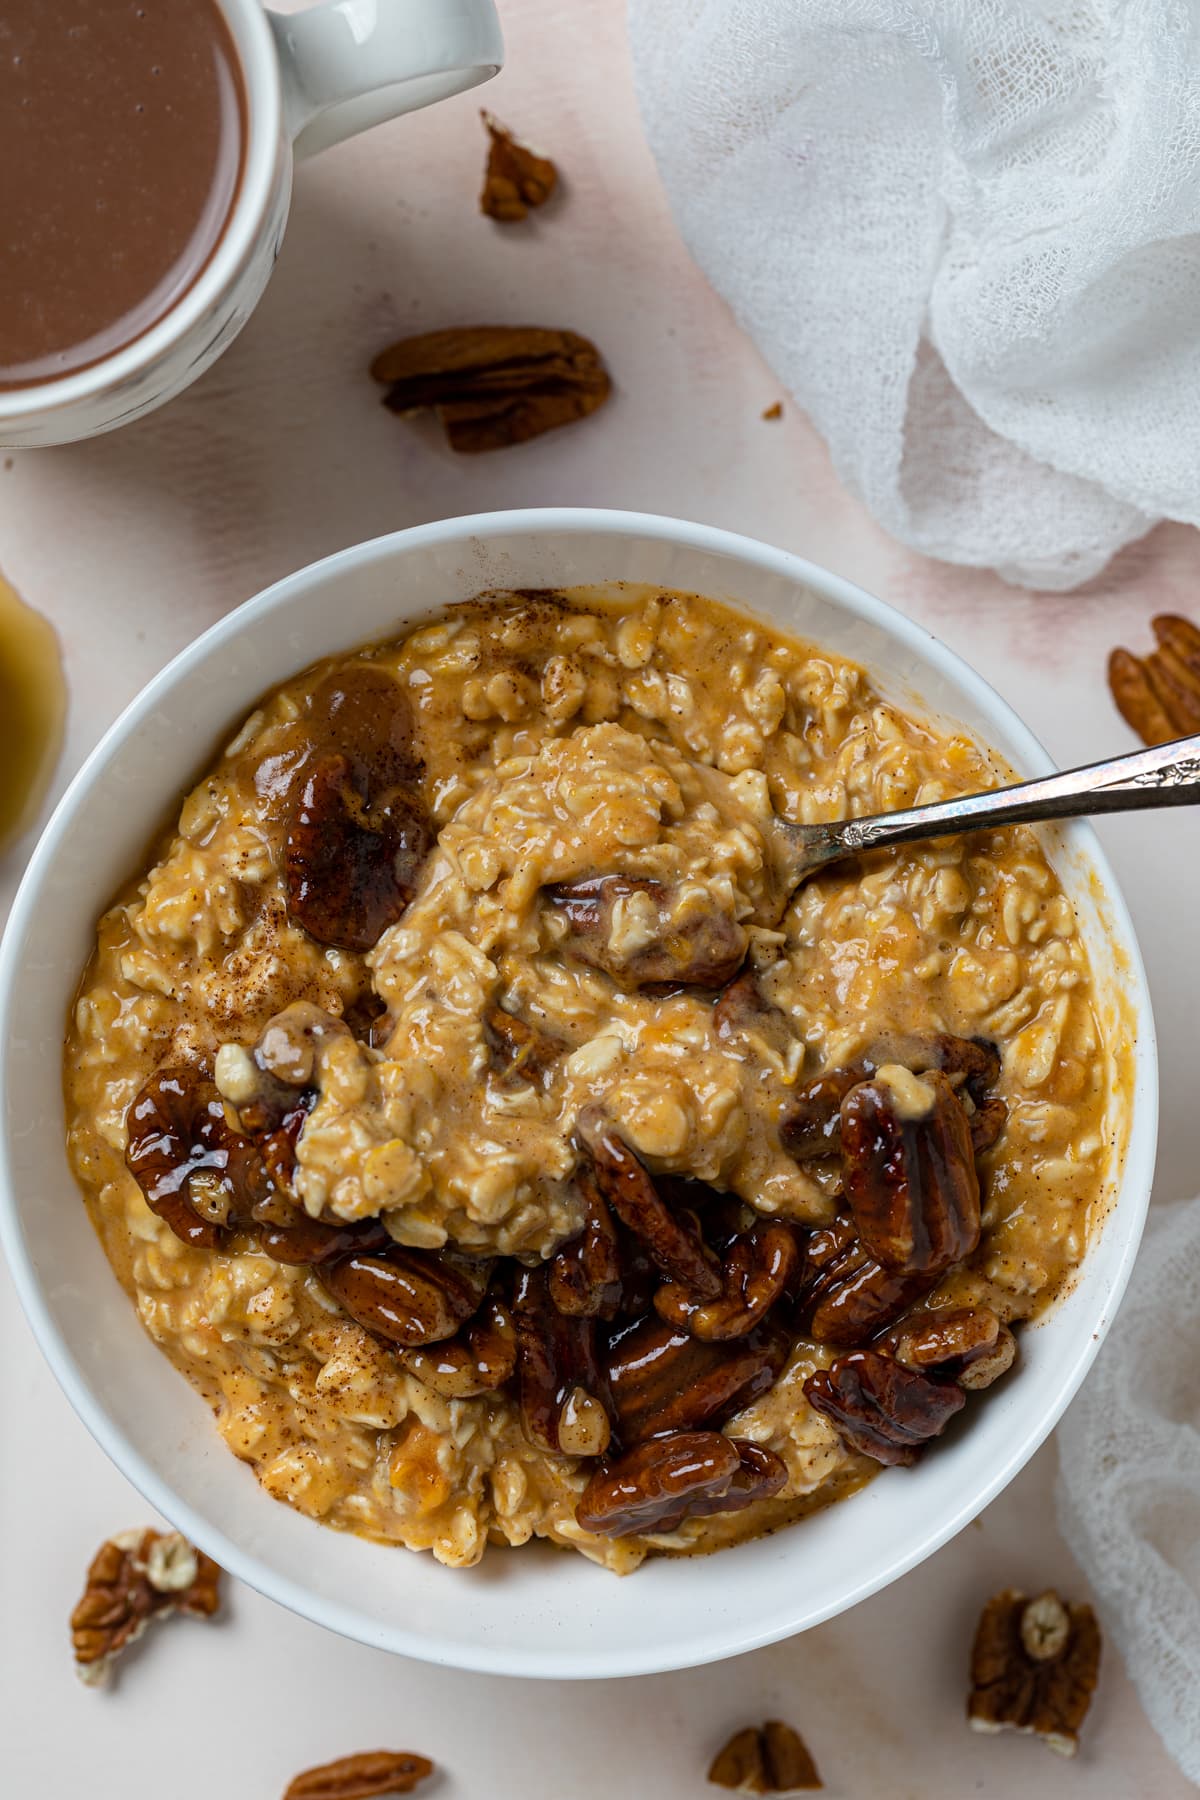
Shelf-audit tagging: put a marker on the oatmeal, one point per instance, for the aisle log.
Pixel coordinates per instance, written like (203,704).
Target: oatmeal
(481,1122)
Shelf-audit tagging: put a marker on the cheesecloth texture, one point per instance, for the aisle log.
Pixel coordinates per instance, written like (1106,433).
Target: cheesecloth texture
(964,235)
(1129,1479)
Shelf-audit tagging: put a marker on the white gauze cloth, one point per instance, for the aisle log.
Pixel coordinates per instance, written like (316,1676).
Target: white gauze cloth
(964,234)
(1129,1479)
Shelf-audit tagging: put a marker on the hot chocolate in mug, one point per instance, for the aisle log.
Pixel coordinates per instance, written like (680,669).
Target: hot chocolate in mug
(158,140)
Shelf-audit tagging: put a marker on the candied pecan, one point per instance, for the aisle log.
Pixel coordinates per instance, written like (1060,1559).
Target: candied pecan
(663,1380)
(133,1578)
(586,1274)
(361,712)
(771,1760)
(967,1343)
(480,1357)
(556,1360)
(196,1171)
(1159,695)
(986,1123)
(516,178)
(368,1776)
(351,872)
(703,949)
(300,1241)
(812,1126)
(1034,1665)
(911,1182)
(879,1407)
(494,385)
(408,1297)
(846,1295)
(758,1268)
(740,1008)
(672,1240)
(654,1487)
(519,1048)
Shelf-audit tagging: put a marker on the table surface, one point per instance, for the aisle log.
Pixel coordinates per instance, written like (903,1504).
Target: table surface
(134,543)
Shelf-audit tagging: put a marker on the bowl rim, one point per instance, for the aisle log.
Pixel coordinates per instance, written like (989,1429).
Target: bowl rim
(492,528)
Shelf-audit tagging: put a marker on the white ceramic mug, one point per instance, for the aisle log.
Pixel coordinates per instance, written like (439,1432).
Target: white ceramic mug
(311,79)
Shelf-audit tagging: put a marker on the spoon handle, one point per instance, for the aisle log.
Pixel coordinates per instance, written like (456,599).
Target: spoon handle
(1166,775)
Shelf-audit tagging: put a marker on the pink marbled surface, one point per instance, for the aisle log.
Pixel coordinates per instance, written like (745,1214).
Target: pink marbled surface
(135,542)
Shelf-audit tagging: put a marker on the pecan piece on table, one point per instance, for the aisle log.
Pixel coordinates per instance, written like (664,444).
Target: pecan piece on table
(564,1398)
(758,1268)
(197,1172)
(351,869)
(494,385)
(586,1275)
(516,178)
(672,1240)
(911,1182)
(880,1408)
(1034,1665)
(1159,695)
(370,1775)
(408,1297)
(771,1759)
(846,1295)
(519,1049)
(133,1578)
(701,949)
(480,1358)
(967,1343)
(657,1485)
(661,1379)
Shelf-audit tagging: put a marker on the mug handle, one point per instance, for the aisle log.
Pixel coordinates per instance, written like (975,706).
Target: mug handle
(350,64)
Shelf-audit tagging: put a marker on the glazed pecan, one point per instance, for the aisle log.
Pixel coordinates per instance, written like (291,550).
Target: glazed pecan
(692,1474)
(480,1357)
(986,1123)
(672,1239)
(1034,1665)
(368,1776)
(663,1380)
(516,177)
(300,1241)
(846,1295)
(519,1049)
(741,1010)
(196,1171)
(967,1343)
(557,1369)
(408,1297)
(586,1274)
(1159,695)
(911,1182)
(699,949)
(758,1268)
(773,1759)
(361,712)
(879,1407)
(812,1126)
(133,1578)
(351,870)
(494,385)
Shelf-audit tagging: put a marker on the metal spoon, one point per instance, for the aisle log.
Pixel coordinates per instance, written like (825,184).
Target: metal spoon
(1166,775)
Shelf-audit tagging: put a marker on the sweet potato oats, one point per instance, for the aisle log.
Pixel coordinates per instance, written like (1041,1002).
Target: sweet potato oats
(480,1123)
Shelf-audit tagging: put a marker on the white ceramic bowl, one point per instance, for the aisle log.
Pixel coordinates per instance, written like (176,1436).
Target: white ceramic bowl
(537,1612)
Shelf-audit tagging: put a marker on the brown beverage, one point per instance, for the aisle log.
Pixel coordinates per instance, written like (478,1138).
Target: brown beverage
(121,134)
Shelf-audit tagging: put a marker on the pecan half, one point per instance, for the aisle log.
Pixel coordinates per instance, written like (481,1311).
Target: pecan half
(672,1240)
(1159,695)
(368,1776)
(480,1358)
(968,1344)
(880,1408)
(663,1380)
(557,1369)
(758,1269)
(133,1578)
(692,949)
(1034,1665)
(408,1297)
(911,1182)
(846,1295)
(586,1274)
(772,1759)
(654,1487)
(197,1172)
(300,1241)
(812,1126)
(741,1010)
(519,1049)
(516,177)
(350,870)
(494,385)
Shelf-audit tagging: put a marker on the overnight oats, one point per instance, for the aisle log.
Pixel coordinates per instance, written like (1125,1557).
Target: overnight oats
(483,1121)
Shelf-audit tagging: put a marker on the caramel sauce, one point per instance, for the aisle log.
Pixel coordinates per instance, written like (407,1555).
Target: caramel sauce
(32,707)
